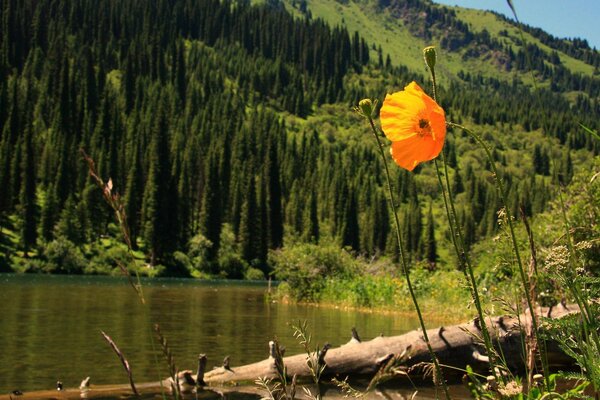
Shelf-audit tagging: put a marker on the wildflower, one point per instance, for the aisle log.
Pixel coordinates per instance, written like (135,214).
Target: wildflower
(511,389)
(415,124)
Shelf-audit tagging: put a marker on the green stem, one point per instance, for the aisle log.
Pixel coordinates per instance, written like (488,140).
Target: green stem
(573,285)
(433,84)
(459,246)
(523,275)
(405,264)
(464,261)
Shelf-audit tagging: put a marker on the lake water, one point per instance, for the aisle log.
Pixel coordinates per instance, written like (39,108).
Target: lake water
(50,327)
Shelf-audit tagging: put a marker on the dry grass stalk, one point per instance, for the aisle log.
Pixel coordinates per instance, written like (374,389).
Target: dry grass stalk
(123,361)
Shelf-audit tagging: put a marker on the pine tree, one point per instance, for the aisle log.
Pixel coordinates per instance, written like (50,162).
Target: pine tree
(8,142)
(469,233)
(311,225)
(95,212)
(133,198)
(457,183)
(275,207)
(160,198)
(414,219)
(180,72)
(64,138)
(565,173)
(249,224)
(48,217)
(68,225)
(381,222)
(350,229)
(27,196)
(210,216)
(537,159)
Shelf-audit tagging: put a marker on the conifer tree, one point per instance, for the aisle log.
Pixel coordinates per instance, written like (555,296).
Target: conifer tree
(27,196)
(95,213)
(133,198)
(275,206)
(68,225)
(350,229)
(160,198)
(249,224)
(537,159)
(469,232)
(311,225)
(210,216)
(381,222)
(8,142)
(457,183)
(180,73)
(48,217)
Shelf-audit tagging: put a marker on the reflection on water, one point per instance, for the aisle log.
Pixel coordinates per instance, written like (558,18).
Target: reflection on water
(50,327)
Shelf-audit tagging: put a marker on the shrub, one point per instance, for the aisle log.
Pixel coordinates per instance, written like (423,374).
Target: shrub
(254,274)
(63,257)
(105,260)
(198,250)
(306,268)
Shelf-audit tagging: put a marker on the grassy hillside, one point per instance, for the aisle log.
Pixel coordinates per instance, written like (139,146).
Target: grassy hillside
(379,27)
(479,20)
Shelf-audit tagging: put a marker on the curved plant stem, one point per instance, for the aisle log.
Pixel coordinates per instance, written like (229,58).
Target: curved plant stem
(459,245)
(574,286)
(464,261)
(440,377)
(523,275)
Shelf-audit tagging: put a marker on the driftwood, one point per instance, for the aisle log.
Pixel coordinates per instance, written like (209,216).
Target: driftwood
(456,347)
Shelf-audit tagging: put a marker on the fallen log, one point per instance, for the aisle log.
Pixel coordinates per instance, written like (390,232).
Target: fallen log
(456,347)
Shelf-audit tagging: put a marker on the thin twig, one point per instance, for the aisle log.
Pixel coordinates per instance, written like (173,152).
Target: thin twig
(123,361)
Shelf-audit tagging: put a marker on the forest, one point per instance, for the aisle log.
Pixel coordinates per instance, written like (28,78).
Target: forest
(227,128)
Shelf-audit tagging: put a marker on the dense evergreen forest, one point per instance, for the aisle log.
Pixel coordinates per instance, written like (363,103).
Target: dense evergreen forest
(226,126)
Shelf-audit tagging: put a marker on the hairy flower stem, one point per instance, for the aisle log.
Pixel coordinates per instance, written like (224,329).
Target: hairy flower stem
(440,376)
(464,261)
(523,275)
(459,244)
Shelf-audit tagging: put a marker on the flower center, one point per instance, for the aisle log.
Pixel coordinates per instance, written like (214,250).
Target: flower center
(424,128)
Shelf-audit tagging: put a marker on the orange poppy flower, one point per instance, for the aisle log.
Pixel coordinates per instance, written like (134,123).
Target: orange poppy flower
(415,124)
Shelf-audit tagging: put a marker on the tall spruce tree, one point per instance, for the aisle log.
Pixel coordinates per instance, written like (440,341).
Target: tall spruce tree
(350,228)
(48,215)
(311,225)
(210,216)
(27,196)
(133,198)
(275,194)
(250,224)
(160,198)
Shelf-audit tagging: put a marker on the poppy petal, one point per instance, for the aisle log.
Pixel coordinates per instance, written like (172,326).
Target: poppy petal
(415,124)
(410,152)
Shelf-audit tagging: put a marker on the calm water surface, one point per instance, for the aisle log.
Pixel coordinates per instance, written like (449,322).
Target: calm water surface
(50,327)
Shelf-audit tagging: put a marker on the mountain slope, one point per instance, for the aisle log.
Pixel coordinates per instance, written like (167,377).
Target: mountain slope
(479,42)
(227,128)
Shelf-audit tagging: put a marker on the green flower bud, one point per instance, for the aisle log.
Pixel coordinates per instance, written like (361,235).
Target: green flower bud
(429,56)
(366,107)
